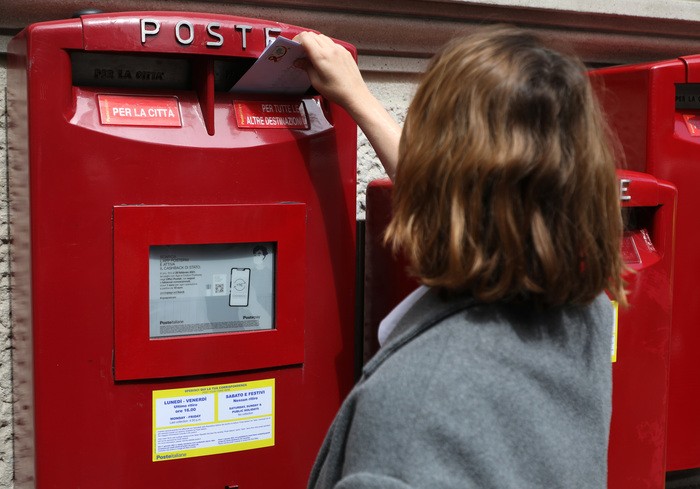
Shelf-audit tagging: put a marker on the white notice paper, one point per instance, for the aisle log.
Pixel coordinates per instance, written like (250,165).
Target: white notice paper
(276,71)
(211,288)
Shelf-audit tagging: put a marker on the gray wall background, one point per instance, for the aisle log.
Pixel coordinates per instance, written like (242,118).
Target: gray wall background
(395,38)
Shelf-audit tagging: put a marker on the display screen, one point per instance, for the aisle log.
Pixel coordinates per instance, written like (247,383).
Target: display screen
(211,288)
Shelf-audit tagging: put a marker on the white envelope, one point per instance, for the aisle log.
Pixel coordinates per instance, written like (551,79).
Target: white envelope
(276,71)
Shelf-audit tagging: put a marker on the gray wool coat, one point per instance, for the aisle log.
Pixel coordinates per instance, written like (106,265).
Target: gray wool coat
(467,395)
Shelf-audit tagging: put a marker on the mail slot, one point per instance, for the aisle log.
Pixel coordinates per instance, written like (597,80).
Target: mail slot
(183,255)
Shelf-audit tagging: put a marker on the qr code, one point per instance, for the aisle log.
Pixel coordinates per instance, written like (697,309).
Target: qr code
(218,288)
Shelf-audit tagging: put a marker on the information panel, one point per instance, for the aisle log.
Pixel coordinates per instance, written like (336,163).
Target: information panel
(211,288)
(213,419)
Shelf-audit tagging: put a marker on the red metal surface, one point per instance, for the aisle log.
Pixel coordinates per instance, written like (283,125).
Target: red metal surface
(640,373)
(658,139)
(76,425)
(386,277)
(637,451)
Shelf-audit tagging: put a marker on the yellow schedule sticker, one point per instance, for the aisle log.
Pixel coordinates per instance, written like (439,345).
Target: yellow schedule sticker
(613,352)
(213,419)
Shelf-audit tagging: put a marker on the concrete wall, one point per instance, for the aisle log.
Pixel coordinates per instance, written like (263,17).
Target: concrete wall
(5,329)
(394,42)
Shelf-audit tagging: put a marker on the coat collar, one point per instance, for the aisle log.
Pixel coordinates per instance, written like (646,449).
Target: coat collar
(429,310)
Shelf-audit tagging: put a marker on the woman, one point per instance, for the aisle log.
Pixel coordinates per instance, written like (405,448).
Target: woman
(496,372)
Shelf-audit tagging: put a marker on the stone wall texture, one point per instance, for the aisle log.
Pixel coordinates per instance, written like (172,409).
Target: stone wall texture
(395,96)
(5,328)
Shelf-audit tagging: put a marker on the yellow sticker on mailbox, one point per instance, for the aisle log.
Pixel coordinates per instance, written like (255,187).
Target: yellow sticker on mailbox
(213,419)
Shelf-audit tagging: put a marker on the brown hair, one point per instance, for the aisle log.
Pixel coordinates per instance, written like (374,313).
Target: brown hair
(506,184)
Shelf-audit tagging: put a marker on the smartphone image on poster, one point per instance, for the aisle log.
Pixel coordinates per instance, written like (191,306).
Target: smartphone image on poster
(240,287)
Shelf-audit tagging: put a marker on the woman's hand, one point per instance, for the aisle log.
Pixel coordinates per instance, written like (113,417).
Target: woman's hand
(335,75)
(332,69)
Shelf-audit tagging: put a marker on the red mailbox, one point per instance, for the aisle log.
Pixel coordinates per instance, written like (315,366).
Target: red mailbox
(642,336)
(183,257)
(655,110)
(640,346)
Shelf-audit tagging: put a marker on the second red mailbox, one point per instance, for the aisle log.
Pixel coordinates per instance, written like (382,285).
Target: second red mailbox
(183,257)
(639,347)
(655,110)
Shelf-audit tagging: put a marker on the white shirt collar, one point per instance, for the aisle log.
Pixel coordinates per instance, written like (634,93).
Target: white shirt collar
(392,319)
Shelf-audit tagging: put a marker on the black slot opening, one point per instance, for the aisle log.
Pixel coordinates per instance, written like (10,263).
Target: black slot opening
(90,69)
(118,70)
(636,218)
(688,96)
(227,71)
